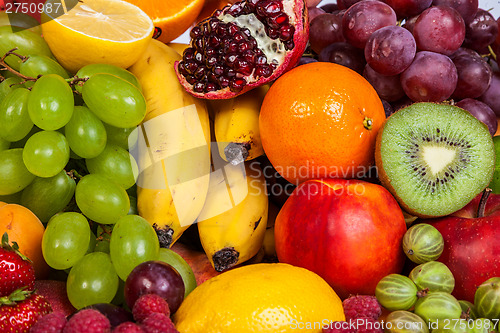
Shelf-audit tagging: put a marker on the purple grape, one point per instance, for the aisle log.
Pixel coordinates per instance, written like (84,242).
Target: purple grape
(345,4)
(330,7)
(388,109)
(431,77)
(481,31)
(410,23)
(387,87)
(324,30)
(407,8)
(314,12)
(390,50)
(474,76)
(364,18)
(439,29)
(403,102)
(116,314)
(305,60)
(492,95)
(344,54)
(155,277)
(464,51)
(481,111)
(466,8)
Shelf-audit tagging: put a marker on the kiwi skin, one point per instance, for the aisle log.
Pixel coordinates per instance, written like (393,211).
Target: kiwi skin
(386,181)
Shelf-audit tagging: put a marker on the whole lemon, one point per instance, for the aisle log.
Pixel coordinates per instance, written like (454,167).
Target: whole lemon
(262,298)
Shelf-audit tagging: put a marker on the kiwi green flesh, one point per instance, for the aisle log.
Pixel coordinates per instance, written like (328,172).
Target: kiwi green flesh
(434,158)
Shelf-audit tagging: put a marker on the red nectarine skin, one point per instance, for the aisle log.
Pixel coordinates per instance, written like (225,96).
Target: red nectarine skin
(347,231)
(471,246)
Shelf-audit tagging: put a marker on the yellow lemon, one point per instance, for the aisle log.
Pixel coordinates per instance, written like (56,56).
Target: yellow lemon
(260,298)
(96,31)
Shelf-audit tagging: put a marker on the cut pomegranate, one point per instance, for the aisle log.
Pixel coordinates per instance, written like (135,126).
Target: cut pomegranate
(243,46)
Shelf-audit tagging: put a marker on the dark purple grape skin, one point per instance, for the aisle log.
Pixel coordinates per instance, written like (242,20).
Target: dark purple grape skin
(390,50)
(364,18)
(116,314)
(155,277)
(344,54)
(481,31)
(407,8)
(431,77)
(439,29)
(313,12)
(410,23)
(387,87)
(330,7)
(466,8)
(481,111)
(305,60)
(492,95)
(474,76)
(324,30)
(388,109)
(345,4)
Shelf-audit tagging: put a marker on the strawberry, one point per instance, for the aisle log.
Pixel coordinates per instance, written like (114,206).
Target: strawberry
(21,310)
(16,270)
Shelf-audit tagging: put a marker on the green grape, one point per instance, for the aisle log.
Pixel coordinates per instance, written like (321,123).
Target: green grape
(451,326)
(41,65)
(116,164)
(482,325)
(133,206)
(176,261)
(120,294)
(92,280)
(396,292)
(48,196)
(4,144)
(8,85)
(433,276)
(65,240)
(85,133)
(46,153)
(101,199)
(12,198)
(21,143)
(487,298)
(15,122)
(14,176)
(51,102)
(89,70)
(92,243)
(468,309)
(422,243)
(20,20)
(114,100)
(125,138)
(438,306)
(133,241)
(27,43)
(405,322)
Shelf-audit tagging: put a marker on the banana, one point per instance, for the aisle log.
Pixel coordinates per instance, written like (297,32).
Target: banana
(233,221)
(236,126)
(173,151)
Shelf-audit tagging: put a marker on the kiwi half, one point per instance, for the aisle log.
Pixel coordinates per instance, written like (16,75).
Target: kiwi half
(434,158)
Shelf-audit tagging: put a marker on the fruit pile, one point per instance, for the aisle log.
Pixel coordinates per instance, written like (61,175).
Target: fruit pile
(294,167)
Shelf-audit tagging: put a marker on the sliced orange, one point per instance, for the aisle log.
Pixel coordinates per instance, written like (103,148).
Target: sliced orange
(170,17)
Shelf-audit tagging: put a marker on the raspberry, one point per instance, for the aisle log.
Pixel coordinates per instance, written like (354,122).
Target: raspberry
(149,304)
(88,321)
(53,322)
(128,327)
(339,327)
(361,306)
(368,325)
(158,323)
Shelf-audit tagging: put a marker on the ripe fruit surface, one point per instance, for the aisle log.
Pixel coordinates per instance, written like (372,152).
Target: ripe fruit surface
(98,31)
(320,120)
(347,231)
(16,271)
(172,17)
(26,230)
(21,315)
(259,298)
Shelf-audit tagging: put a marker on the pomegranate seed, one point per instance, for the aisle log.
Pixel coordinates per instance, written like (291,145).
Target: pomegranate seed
(249,55)
(233,28)
(209,52)
(182,69)
(243,67)
(211,61)
(199,87)
(237,84)
(188,53)
(223,82)
(199,73)
(239,37)
(218,70)
(213,24)
(289,45)
(286,32)
(276,22)
(199,57)
(261,60)
(263,70)
(230,59)
(195,32)
(213,41)
(222,29)
(235,9)
(210,87)
(212,77)
(191,79)
(246,32)
(232,47)
(243,46)
(273,33)
(191,66)
(229,72)
(199,43)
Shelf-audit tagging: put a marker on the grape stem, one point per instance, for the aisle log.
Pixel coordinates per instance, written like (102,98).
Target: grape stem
(12,70)
(492,53)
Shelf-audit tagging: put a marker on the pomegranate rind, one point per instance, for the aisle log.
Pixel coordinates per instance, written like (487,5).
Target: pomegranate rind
(300,39)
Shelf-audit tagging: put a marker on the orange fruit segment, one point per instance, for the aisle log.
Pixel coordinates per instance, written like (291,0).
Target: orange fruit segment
(170,17)
(321,120)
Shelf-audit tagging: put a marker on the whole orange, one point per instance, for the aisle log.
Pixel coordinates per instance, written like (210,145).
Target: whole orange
(320,120)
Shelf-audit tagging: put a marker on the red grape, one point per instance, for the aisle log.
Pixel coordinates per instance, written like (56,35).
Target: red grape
(344,54)
(466,8)
(481,31)
(410,23)
(474,76)
(324,30)
(492,95)
(387,87)
(390,50)
(330,7)
(155,277)
(345,4)
(364,18)
(481,111)
(431,77)
(406,8)
(314,12)
(439,29)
